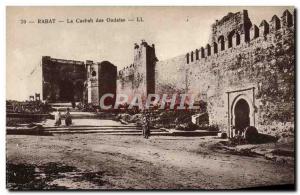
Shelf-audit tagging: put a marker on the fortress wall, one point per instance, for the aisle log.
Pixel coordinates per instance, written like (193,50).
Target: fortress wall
(253,61)
(170,76)
(266,63)
(138,78)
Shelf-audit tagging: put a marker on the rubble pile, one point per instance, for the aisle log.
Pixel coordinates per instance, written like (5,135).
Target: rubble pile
(179,120)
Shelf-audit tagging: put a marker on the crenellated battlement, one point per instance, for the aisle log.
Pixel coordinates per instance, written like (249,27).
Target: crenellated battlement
(239,56)
(236,29)
(140,54)
(126,71)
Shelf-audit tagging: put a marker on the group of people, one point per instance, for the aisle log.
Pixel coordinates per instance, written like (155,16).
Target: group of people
(68,118)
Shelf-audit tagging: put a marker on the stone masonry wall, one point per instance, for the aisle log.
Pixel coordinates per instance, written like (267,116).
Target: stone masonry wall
(63,80)
(170,76)
(139,77)
(266,63)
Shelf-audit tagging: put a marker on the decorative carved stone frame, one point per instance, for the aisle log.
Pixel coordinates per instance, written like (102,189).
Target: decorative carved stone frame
(247,94)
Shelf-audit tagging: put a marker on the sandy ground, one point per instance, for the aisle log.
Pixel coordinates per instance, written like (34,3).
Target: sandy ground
(91,161)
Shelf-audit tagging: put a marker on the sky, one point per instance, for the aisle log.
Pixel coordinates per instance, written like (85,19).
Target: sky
(173,30)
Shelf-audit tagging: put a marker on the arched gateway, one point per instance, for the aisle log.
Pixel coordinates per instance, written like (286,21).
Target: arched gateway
(241,112)
(241,115)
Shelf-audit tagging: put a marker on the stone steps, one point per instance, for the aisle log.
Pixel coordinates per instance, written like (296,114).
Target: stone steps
(100,130)
(108,129)
(124,130)
(90,128)
(132,133)
(136,133)
(60,104)
(84,115)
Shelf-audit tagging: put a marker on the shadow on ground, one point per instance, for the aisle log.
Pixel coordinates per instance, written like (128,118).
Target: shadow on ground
(264,138)
(33,177)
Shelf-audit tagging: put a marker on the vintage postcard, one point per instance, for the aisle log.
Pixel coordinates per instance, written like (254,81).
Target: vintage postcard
(143,98)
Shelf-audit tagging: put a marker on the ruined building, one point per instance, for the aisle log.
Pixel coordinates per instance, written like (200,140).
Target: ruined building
(76,81)
(63,80)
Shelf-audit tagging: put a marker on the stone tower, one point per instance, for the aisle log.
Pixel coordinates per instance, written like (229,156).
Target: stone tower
(101,79)
(144,64)
(230,30)
(139,77)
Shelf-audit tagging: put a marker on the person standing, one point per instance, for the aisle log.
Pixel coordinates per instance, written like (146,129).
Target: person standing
(57,118)
(68,119)
(146,126)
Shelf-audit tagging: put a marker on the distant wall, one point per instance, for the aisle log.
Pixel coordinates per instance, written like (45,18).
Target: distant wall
(171,76)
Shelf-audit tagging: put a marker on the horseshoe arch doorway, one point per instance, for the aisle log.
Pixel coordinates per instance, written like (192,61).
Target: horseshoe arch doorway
(241,113)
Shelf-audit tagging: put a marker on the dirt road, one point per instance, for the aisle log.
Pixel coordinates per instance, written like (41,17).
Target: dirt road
(92,161)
